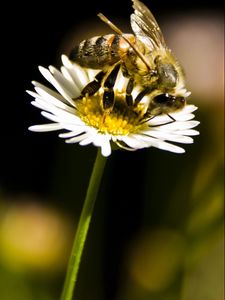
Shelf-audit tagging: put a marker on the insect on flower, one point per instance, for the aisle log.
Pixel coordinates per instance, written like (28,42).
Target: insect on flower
(143,58)
(119,89)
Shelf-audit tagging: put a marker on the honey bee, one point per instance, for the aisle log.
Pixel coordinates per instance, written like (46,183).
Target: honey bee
(143,58)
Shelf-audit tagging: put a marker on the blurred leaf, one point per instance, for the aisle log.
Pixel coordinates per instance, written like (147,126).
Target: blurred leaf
(207,211)
(17,287)
(156,258)
(34,238)
(205,280)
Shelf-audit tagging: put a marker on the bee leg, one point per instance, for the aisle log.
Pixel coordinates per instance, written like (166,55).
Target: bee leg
(141,95)
(92,87)
(129,89)
(108,96)
(172,119)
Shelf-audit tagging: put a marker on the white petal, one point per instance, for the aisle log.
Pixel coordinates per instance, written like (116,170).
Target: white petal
(33,94)
(47,74)
(40,103)
(169,136)
(167,146)
(73,133)
(49,98)
(92,73)
(78,75)
(121,82)
(170,147)
(103,141)
(50,91)
(88,140)
(183,117)
(77,139)
(106,148)
(99,139)
(176,126)
(46,127)
(69,124)
(132,142)
(159,144)
(63,115)
(66,62)
(188,109)
(64,83)
(188,132)
(36,104)
(67,75)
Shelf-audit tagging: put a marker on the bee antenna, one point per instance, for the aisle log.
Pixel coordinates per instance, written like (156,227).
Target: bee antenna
(117,30)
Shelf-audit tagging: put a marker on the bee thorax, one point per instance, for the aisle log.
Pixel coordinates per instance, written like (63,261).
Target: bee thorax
(167,73)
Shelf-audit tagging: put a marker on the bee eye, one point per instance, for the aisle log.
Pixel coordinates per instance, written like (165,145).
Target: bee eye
(164,98)
(180,99)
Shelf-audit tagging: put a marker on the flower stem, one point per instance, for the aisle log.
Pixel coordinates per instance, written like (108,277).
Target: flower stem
(82,229)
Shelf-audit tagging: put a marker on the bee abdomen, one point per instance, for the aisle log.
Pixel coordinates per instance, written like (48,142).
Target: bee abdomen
(97,52)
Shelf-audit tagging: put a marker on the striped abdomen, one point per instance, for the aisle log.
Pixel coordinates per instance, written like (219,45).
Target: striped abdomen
(101,51)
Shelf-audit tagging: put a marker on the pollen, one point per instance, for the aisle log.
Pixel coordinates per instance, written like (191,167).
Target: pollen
(121,120)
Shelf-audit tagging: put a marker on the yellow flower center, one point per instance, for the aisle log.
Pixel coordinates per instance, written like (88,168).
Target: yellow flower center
(121,120)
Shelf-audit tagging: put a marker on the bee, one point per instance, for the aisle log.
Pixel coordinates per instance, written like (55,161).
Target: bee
(143,58)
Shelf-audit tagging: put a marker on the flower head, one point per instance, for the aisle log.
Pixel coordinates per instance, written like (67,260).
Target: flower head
(86,122)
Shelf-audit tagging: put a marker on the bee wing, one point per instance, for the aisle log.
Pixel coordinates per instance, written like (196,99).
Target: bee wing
(145,26)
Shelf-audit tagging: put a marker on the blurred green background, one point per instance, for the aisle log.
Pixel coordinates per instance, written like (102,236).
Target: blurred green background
(157,229)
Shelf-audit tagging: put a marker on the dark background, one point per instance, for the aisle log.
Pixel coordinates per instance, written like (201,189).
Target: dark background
(33,34)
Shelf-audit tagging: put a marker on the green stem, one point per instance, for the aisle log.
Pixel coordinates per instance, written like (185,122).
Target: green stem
(82,230)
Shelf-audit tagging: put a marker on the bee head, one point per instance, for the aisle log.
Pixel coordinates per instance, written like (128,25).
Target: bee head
(166,103)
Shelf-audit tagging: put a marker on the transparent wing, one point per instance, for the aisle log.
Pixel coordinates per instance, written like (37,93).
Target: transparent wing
(145,26)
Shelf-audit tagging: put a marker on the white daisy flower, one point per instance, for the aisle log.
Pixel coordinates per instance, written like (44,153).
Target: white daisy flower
(85,122)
